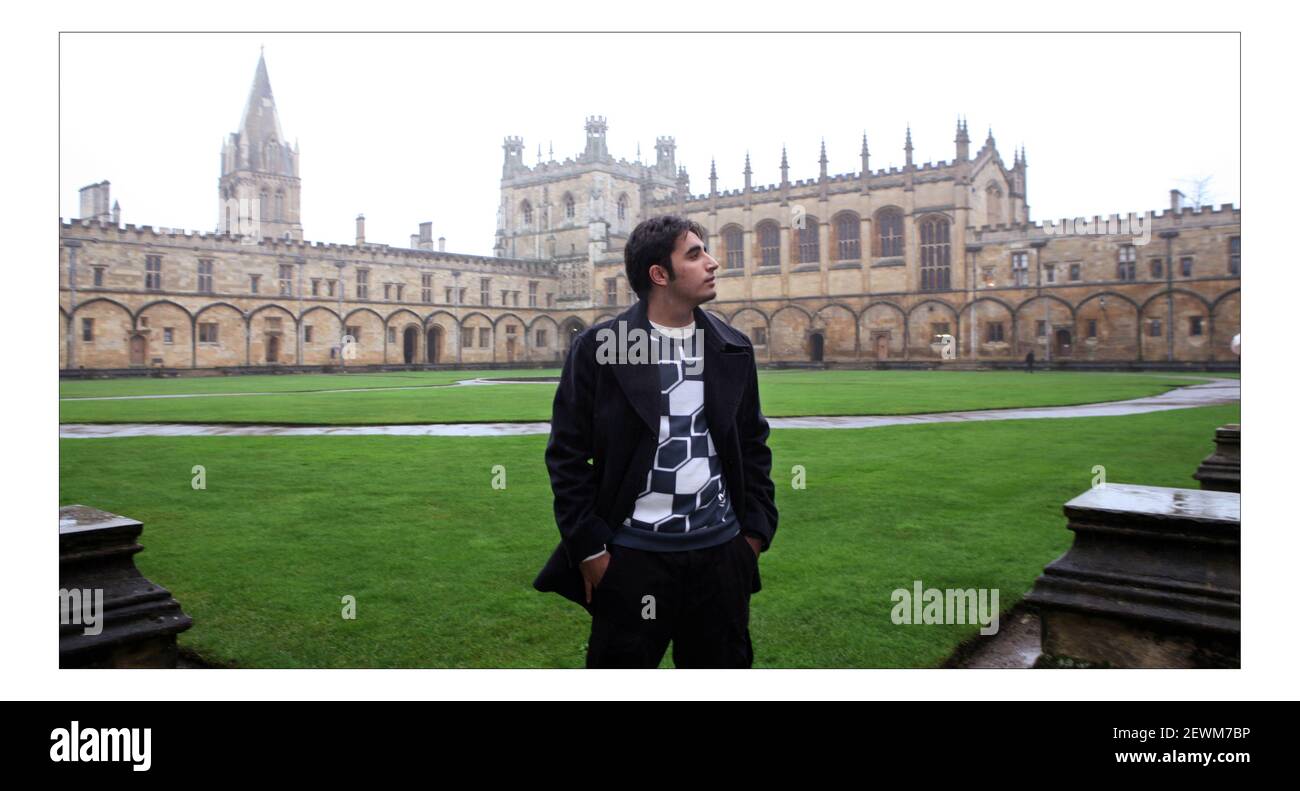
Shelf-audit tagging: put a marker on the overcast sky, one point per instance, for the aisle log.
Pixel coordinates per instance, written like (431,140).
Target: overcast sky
(408,127)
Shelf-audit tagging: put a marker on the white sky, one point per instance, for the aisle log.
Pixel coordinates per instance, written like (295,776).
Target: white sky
(408,127)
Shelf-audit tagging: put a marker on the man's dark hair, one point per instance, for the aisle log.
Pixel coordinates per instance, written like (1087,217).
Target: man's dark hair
(652,242)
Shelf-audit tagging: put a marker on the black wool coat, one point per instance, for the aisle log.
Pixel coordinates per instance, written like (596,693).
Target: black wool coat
(605,431)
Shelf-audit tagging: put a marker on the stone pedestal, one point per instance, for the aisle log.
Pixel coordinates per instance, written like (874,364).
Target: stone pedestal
(1221,470)
(1153,580)
(139,620)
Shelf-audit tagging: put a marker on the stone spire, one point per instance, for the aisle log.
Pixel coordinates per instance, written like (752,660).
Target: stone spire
(713,177)
(822,161)
(962,140)
(748,172)
(907,147)
(785,167)
(259,190)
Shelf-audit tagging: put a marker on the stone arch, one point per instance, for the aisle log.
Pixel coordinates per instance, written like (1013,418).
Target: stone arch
(163,315)
(326,330)
(231,327)
(882,331)
(977,320)
(509,348)
(1225,322)
(921,330)
(1186,306)
(569,329)
(470,328)
(272,342)
(400,348)
(1059,316)
(550,347)
(441,337)
(1114,319)
(112,325)
(788,333)
(746,320)
(140,311)
(370,346)
(840,324)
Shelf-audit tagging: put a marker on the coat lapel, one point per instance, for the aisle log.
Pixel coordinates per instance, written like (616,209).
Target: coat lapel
(725,365)
(640,383)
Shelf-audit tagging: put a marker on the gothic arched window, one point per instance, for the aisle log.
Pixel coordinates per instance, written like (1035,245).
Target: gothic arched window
(809,246)
(527,209)
(733,239)
(622,207)
(936,255)
(569,212)
(848,245)
(889,233)
(769,243)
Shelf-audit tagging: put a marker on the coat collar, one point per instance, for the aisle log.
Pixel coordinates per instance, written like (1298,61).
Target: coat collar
(726,360)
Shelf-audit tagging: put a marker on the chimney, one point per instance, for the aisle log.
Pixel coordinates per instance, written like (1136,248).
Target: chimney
(426,236)
(94,202)
(442,244)
(415,241)
(361,230)
(1176,200)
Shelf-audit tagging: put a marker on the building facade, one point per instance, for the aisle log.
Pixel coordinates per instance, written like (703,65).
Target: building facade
(861,267)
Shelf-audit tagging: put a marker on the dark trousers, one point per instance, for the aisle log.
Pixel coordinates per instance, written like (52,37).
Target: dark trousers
(697,599)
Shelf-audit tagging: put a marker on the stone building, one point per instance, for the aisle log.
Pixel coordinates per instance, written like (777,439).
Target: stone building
(854,267)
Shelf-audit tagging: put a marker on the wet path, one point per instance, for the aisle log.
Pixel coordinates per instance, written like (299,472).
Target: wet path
(1219,391)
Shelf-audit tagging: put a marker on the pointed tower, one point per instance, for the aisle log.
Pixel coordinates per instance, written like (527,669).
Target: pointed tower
(907,147)
(259,191)
(963,142)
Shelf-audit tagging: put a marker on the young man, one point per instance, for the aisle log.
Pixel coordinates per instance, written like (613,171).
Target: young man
(660,533)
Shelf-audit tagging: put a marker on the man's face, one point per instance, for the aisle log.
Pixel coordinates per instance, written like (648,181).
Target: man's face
(693,268)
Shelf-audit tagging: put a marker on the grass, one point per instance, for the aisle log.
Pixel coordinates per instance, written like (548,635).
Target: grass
(312,399)
(441,563)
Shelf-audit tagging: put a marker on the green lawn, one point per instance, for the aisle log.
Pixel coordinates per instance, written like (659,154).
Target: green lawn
(441,563)
(311,399)
(281,383)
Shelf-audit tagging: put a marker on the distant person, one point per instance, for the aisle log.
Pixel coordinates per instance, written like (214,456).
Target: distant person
(1029,362)
(661,471)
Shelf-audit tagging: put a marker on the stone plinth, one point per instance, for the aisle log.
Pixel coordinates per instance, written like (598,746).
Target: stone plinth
(1221,470)
(1153,580)
(139,621)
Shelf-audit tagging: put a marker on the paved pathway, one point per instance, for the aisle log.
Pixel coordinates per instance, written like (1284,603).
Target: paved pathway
(1219,391)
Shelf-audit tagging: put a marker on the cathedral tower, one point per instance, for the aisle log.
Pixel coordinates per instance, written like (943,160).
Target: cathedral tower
(259,189)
